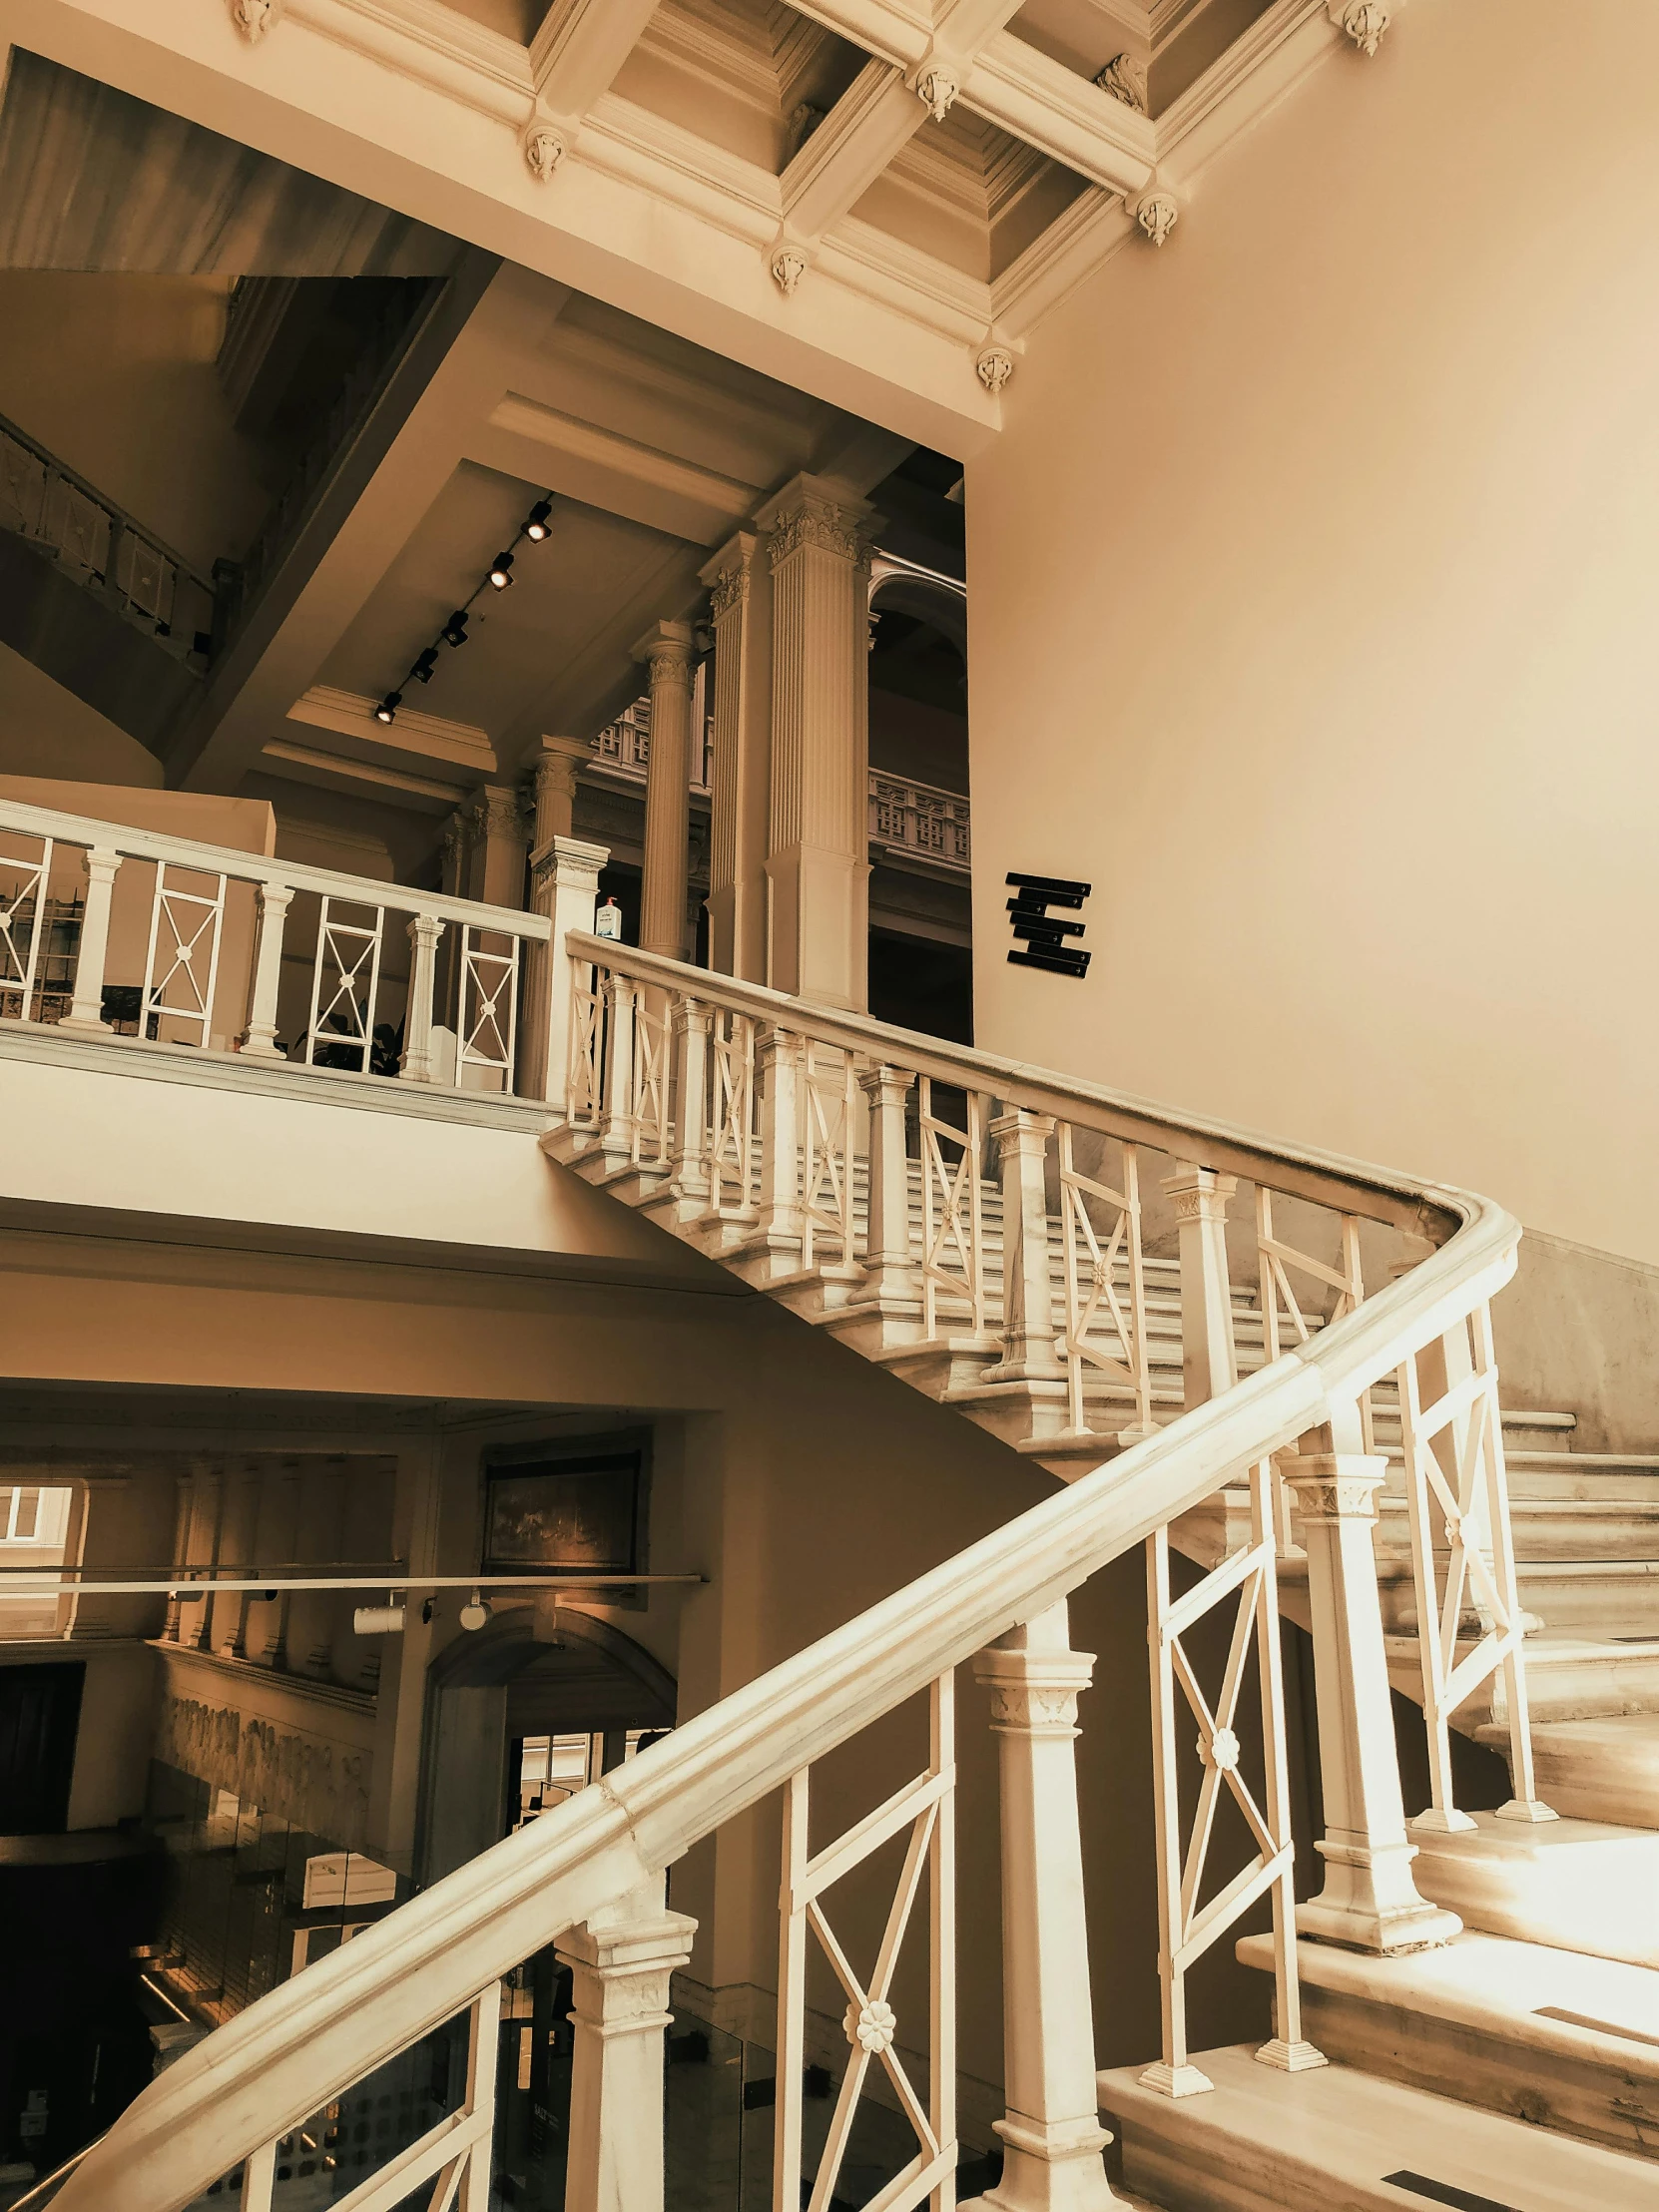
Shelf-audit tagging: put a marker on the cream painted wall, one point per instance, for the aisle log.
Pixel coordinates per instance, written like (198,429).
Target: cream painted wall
(115,375)
(47,731)
(1321,548)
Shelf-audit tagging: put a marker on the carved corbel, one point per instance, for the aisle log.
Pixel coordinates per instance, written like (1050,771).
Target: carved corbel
(1365,21)
(935,84)
(253,18)
(544,148)
(1125,79)
(789,263)
(994,366)
(1156,212)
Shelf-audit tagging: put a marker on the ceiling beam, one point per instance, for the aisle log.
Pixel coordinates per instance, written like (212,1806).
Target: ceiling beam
(578,53)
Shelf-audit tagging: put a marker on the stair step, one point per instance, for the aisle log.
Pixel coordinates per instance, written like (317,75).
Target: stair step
(1331,2141)
(1599,1770)
(1571,1884)
(1549,2037)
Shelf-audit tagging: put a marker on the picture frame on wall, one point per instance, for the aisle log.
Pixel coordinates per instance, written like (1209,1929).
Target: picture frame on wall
(573,1503)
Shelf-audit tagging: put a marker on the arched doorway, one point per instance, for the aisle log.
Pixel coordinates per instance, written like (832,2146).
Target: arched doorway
(508,1685)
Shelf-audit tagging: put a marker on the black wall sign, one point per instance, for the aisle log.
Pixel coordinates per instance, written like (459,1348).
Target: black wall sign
(1042,939)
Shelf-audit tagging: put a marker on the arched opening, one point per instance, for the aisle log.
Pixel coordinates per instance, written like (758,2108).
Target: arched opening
(530,1677)
(920,907)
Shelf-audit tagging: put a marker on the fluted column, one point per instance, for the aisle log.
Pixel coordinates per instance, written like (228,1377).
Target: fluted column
(818,857)
(500,842)
(739,592)
(667,650)
(554,765)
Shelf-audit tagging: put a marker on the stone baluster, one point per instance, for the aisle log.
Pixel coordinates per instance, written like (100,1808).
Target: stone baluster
(668,650)
(1028,1325)
(740,598)
(86,1013)
(419,1064)
(258,1040)
(1369,1901)
(1051,2133)
(1209,1364)
(621,1962)
(889,1271)
(564,885)
(690,1189)
(616,1129)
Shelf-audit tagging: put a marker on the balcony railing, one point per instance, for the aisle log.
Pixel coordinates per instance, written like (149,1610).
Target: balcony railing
(101,545)
(131,935)
(919,821)
(624,745)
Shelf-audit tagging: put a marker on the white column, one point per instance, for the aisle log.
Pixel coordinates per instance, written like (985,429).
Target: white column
(258,1040)
(1208,1365)
(667,649)
(1028,1295)
(739,591)
(621,1962)
(1051,2133)
(417,1064)
(500,840)
(890,1274)
(85,1012)
(693,1023)
(564,884)
(554,765)
(818,857)
(1369,1901)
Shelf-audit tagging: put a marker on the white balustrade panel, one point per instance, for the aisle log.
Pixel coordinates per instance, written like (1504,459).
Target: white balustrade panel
(140,939)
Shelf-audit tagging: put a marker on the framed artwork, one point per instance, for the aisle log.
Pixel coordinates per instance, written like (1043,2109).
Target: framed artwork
(578,1505)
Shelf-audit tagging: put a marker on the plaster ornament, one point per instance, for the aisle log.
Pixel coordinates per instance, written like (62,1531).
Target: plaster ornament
(788,266)
(1365,21)
(1125,79)
(1221,1752)
(994,367)
(936,88)
(803,121)
(871,2025)
(1157,215)
(544,150)
(253,18)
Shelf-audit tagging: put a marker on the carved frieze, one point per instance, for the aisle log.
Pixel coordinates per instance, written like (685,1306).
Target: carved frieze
(317,1784)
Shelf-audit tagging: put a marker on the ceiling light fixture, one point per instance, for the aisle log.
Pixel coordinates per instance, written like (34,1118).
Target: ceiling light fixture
(454,630)
(501,571)
(422,670)
(535,529)
(498,577)
(387,709)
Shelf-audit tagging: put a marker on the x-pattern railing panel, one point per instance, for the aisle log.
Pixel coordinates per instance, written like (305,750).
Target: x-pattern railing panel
(1188,1923)
(347,962)
(180,963)
(1281,1309)
(584,1095)
(731,1138)
(952,1209)
(22,910)
(489,1022)
(1095,1319)
(1456,1491)
(926,1807)
(828,1107)
(653,1129)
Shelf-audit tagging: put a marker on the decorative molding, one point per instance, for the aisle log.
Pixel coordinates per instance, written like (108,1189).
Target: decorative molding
(1156,212)
(817,524)
(544,149)
(937,87)
(1125,79)
(1365,21)
(730,589)
(787,266)
(994,367)
(871,2025)
(253,18)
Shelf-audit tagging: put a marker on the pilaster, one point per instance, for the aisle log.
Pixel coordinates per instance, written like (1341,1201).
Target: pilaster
(740,595)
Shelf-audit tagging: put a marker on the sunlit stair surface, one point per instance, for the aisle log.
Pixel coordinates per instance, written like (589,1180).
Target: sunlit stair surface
(1342,2140)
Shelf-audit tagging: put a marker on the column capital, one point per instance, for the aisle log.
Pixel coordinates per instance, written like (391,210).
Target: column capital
(1034,1693)
(1334,1485)
(884,1082)
(1008,1128)
(667,648)
(561,757)
(816,512)
(727,575)
(570,862)
(1198,1194)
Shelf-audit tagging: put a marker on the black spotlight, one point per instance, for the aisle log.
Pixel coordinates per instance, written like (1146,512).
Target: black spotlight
(501,571)
(422,670)
(536,528)
(454,630)
(387,709)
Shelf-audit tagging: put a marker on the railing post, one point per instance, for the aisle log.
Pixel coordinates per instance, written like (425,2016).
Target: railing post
(1051,2133)
(1369,1902)
(85,1012)
(417,1065)
(621,1962)
(890,1275)
(564,884)
(778,1072)
(1209,1364)
(693,1024)
(258,1040)
(616,1128)
(1028,1325)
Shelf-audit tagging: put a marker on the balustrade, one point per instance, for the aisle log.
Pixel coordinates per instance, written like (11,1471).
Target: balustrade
(1086,1266)
(147,940)
(908,817)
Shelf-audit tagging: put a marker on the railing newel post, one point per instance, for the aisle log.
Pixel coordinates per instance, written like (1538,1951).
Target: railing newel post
(564,885)
(1028,1327)
(418,1063)
(258,1038)
(1209,1359)
(86,1013)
